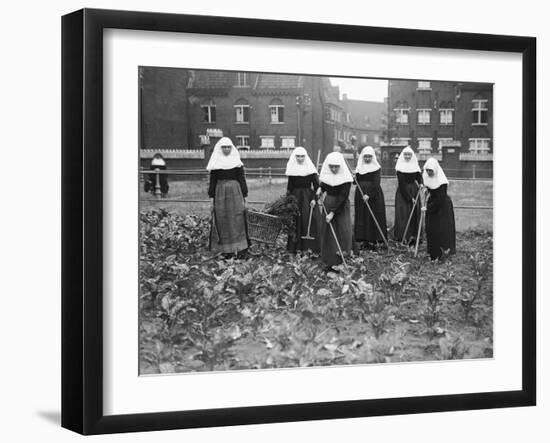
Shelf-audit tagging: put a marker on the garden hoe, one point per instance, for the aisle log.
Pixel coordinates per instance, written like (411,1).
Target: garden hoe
(308,235)
(411,214)
(334,235)
(422,218)
(368,206)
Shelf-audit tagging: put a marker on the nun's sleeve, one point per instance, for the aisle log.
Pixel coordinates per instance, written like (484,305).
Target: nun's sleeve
(437,197)
(242,181)
(315,181)
(289,185)
(343,194)
(371,187)
(212,184)
(402,187)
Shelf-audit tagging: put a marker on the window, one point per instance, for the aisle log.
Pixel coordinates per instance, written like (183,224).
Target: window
(242,113)
(376,138)
(276,111)
(364,138)
(423,85)
(442,141)
(242,79)
(401,141)
(480,112)
(402,116)
(209,113)
(268,141)
(424,116)
(288,142)
(424,145)
(243,141)
(479,145)
(446,116)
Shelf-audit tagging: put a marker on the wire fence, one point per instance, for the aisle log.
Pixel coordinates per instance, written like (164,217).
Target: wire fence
(266,173)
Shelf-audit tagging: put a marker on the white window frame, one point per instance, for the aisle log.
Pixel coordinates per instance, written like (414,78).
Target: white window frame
(241,107)
(446,112)
(209,107)
(365,138)
(265,138)
(424,111)
(479,106)
(401,141)
(423,86)
(477,149)
(242,80)
(442,140)
(286,138)
(271,114)
(400,113)
(424,150)
(240,140)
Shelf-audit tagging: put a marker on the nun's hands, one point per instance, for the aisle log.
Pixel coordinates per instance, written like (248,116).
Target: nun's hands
(318,192)
(329,217)
(312,203)
(423,208)
(365,198)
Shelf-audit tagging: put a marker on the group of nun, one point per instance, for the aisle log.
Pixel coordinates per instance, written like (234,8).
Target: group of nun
(324,223)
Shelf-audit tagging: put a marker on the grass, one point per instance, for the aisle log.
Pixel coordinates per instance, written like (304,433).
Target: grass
(462,192)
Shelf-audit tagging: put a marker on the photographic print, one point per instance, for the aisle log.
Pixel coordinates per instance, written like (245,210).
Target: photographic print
(294,220)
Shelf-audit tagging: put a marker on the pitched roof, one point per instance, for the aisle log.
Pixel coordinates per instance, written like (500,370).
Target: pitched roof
(279,81)
(210,79)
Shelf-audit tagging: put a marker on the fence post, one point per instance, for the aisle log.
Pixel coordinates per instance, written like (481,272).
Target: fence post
(157,184)
(474,171)
(269,173)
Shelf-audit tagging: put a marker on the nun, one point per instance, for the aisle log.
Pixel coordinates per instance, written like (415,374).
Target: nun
(440,217)
(367,174)
(150,184)
(303,182)
(227,191)
(409,180)
(335,181)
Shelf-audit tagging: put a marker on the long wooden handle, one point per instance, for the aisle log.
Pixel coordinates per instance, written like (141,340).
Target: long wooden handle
(335,238)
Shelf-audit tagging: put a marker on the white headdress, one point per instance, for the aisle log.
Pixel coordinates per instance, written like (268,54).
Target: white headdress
(342,176)
(438,178)
(403,165)
(365,168)
(218,160)
(295,168)
(158,161)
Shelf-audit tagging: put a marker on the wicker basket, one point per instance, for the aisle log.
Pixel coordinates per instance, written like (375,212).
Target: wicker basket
(264,228)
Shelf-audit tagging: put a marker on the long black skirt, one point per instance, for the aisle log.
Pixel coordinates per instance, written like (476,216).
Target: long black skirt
(365,227)
(304,197)
(440,229)
(342,227)
(402,212)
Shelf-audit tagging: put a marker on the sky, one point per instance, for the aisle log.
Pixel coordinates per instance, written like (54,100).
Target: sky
(362,89)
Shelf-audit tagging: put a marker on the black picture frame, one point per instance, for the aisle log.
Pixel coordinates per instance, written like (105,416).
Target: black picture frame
(82,218)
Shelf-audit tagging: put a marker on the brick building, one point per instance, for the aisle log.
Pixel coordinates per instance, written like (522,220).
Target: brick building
(185,110)
(431,115)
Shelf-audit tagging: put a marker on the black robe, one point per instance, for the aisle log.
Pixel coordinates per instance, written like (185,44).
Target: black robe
(337,201)
(440,223)
(407,189)
(365,228)
(304,188)
(151,180)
